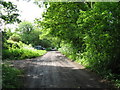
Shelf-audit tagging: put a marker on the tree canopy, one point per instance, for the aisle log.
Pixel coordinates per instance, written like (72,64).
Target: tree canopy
(90,29)
(8,12)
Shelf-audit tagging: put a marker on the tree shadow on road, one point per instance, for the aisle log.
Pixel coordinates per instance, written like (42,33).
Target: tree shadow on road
(48,76)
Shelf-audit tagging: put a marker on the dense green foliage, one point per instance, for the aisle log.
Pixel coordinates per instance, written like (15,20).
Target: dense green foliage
(11,77)
(29,33)
(19,50)
(88,33)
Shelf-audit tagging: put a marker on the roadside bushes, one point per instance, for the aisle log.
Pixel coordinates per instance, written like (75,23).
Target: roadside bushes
(19,50)
(68,50)
(101,37)
(10,77)
(98,28)
(91,32)
(15,37)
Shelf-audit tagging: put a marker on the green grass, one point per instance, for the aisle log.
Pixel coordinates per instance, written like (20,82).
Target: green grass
(10,77)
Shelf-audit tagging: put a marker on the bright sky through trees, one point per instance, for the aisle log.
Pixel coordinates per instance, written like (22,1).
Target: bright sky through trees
(28,10)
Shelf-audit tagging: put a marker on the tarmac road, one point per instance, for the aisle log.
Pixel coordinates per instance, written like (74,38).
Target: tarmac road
(54,70)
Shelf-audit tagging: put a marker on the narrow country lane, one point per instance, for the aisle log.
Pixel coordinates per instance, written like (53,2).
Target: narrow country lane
(54,70)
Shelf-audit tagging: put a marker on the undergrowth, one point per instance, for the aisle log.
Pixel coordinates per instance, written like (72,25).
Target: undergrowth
(19,50)
(10,77)
(79,58)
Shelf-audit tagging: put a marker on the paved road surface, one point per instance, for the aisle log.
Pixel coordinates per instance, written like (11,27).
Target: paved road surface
(54,70)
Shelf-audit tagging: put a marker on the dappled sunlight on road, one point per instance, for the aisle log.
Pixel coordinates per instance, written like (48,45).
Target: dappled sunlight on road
(56,71)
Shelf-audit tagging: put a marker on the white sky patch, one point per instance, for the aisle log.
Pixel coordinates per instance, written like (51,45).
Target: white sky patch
(28,10)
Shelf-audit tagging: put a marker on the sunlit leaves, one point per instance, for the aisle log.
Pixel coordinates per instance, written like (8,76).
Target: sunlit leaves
(9,12)
(91,30)
(25,27)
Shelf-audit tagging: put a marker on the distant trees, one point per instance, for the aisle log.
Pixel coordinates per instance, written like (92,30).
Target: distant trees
(25,30)
(26,27)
